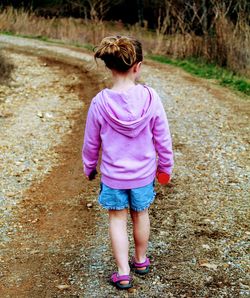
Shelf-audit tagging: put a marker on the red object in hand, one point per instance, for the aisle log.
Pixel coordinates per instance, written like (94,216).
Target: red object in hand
(163,178)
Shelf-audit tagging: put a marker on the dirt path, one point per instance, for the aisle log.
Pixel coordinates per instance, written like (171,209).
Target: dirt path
(53,245)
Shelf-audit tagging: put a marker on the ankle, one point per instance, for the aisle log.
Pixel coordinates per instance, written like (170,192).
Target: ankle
(124,271)
(140,259)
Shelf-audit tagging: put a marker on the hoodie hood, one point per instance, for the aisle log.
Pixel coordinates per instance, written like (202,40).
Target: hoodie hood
(126,112)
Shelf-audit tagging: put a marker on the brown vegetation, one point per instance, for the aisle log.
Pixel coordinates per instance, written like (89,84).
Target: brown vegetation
(6,69)
(221,39)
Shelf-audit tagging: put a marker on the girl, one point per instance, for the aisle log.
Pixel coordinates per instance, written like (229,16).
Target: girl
(129,122)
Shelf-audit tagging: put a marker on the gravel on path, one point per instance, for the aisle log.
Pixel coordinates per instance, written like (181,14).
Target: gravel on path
(200,223)
(33,121)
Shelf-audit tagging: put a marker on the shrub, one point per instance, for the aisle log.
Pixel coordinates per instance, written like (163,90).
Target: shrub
(6,69)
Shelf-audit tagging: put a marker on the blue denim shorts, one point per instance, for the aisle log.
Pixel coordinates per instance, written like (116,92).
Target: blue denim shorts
(137,199)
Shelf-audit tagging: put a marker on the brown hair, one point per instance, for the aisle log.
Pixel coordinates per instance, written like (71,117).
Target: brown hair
(119,52)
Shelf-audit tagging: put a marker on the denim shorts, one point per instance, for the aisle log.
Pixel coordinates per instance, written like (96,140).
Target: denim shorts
(137,199)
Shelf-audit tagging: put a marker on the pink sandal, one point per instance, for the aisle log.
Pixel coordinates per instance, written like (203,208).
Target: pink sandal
(116,280)
(138,266)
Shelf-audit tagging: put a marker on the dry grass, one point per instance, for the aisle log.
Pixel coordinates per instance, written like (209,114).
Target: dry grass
(232,45)
(229,45)
(225,43)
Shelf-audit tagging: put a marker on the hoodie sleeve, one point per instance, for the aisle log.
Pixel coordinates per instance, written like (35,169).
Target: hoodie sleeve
(162,140)
(92,141)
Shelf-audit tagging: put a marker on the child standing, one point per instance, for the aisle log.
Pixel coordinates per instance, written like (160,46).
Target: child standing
(129,122)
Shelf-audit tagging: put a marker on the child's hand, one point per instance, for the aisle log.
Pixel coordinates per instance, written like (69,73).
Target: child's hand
(163,178)
(92,175)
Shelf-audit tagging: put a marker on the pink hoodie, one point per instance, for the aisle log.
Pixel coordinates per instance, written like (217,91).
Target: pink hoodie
(132,129)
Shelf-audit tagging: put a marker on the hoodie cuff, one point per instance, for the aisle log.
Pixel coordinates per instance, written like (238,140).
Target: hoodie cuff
(164,170)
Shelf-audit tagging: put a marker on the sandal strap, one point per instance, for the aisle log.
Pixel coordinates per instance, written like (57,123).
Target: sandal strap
(117,278)
(140,265)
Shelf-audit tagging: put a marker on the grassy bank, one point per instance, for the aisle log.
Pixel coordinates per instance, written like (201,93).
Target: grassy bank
(201,69)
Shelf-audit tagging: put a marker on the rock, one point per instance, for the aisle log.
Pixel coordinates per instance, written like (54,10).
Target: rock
(63,287)
(48,115)
(132,290)
(205,263)
(40,115)
(10,194)
(206,246)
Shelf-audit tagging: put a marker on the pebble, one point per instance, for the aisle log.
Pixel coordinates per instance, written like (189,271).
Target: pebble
(63,287)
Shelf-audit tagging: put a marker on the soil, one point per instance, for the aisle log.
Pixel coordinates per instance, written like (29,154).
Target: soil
(54,235)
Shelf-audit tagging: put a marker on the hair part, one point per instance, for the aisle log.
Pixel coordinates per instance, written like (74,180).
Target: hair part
(119,53)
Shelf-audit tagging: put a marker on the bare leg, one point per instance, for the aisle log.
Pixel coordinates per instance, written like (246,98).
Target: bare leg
(141,229)
(119,239)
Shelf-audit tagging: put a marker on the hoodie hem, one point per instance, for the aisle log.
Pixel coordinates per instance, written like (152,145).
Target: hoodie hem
(127,184)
